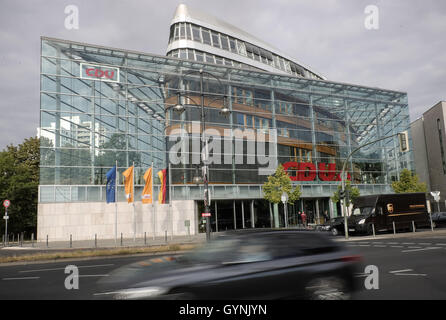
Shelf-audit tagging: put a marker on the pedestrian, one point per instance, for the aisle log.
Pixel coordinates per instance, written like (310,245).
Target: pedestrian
(304,219)
(299,217)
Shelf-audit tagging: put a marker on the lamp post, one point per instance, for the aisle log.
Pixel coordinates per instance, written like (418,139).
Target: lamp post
(179,108)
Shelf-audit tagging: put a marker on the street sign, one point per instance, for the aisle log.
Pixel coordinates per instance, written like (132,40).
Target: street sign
(436,195)
(6,203)
(6,217)
(206,214)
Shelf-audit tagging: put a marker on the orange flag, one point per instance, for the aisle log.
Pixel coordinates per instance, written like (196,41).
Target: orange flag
(128,184)
(162,194)
(147,192)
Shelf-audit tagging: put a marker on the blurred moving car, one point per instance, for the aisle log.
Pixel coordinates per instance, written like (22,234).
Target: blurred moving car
(439,218)
(254,264)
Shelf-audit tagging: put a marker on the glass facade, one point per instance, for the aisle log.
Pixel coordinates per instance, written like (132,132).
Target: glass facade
(102,105)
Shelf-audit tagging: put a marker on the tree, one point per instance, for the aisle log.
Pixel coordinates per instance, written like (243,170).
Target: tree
(19,180)
(353,193)
(408,183)
(278,183)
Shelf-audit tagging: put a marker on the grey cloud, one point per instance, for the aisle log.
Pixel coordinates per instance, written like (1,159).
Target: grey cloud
(406,53)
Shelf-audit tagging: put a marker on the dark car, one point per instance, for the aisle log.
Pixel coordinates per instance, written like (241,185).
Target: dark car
(439,218)
(335,226)
(256,264)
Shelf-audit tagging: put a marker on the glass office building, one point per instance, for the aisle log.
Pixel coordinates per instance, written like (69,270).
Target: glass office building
(100,106)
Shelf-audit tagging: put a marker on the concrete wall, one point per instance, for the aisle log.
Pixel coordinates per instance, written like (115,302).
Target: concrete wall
(420,151)
(84,220)
(435,165)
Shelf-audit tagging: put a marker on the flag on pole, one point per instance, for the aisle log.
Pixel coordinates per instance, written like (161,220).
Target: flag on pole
(147,192)
(162,174)
(111,184)
(128,184)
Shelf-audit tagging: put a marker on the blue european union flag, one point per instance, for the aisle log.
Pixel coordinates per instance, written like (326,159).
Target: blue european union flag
(111,184)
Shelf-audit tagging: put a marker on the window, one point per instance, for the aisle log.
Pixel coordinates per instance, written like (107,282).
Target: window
(182,31)
(218,60)
(199,56)
(196,33)
(241,48)
(188,33)
(240,119)
(224,42)
(232,45)
(183,54)
(215,40)
(172,32)
(177,32)
(249,101)
(209,58)
(206,37)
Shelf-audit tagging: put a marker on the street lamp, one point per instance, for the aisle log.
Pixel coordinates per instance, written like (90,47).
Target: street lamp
(179,108)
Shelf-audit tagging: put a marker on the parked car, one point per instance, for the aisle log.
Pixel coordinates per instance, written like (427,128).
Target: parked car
(439,218)
(249,264)
(335,226)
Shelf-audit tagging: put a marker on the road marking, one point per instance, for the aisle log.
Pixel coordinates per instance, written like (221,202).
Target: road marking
(440,244)
(55,269)
(408,243)
(411,274)
(380,246)
(397,271)
(92,275)
(425,243)
(423,249)
(360,275)
(392,242)
(24,278)
(364,245)
(414,247)
(397,246)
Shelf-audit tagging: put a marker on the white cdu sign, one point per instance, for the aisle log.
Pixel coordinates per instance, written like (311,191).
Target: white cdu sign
(371,21)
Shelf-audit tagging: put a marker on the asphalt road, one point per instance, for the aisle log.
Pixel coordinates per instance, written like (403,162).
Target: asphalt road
(408,268)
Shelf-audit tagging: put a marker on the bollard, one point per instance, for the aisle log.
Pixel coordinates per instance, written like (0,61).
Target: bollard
(47,241)
(71,241)
(394,231)
(413,226)
(121,239)
(145,238)
(373,229)
(95,240)
(165,236)
(21,239)
(32,240)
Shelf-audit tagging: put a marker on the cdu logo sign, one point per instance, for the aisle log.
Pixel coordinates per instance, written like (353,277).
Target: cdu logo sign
(97,72)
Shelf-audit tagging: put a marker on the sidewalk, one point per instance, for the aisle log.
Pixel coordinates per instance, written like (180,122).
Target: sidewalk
(418,234)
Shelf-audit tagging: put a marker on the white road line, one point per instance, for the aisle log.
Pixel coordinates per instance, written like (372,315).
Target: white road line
(408,243)
(398,271)
(425,243)
(440,244)
(411,274)
(54,269)
(92,275)
(397,246)
(364,245)
(24,278)
(392,242)
(414,247)
(380,246)
(423,249)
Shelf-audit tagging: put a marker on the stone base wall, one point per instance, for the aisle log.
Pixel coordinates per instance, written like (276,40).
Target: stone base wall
(83,220)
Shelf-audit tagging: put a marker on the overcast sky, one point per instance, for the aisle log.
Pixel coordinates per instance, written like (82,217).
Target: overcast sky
(407,53)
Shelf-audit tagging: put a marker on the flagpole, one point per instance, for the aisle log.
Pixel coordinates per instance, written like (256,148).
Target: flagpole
(153,204)
(133,202)
(116,203)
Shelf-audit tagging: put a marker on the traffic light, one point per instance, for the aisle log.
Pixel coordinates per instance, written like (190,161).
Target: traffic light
(341,194)
(403,138)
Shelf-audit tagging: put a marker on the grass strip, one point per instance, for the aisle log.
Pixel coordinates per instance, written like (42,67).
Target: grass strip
(96,253)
